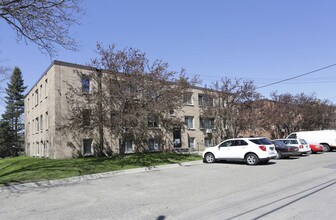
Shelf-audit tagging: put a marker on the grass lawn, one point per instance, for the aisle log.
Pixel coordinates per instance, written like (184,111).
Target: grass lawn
(29,169)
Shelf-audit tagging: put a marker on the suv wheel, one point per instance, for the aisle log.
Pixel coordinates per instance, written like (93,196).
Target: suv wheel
(326,147)
(209,158)
(251,159)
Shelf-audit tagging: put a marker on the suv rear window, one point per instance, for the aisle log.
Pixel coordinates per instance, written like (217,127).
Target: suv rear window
(303,141)
(292,136)
(261,141)
(291,142)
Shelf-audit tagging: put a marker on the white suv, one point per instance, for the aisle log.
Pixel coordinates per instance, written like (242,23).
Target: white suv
(250,150)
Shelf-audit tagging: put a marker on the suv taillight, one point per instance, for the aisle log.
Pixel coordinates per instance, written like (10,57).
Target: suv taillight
(301,146)
(263,148)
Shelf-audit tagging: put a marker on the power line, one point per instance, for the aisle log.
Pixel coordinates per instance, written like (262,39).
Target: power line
(284,80)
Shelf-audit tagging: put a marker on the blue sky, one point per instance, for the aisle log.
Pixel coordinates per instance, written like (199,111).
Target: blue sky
(261,40)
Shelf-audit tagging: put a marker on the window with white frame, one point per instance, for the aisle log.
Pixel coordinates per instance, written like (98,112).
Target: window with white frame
(191,142)
(41,93)
(46,121)
(32,100)
(41,123)
(154,144)
(189,121)
(46,87)
(47,146)
(36,94)
(187,99)
(37,124)
(207,123)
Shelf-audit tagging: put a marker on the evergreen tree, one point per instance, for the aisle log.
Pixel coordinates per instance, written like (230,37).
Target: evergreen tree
(11,135)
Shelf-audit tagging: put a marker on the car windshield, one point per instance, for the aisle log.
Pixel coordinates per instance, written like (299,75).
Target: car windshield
(261,141)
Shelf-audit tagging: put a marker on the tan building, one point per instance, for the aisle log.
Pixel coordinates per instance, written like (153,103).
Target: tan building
(46,109)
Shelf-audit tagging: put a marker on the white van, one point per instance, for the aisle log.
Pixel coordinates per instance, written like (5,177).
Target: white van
(327,138)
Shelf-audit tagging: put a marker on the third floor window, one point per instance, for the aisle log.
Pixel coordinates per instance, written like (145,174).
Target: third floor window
(86,84)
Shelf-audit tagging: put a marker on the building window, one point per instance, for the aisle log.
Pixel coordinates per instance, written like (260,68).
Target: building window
(41,93)
(37,124)
(207,123)
(41,123)
(87,147)
(205,100)
(154,145)
(85,84)
(46,121)
(207,142)
(46,87)
(153,121)
(129,146)
(28,104)
(187,99)
(38,149)
(47,149)
(191,142)
(189,121)
(36,97)
(86,117)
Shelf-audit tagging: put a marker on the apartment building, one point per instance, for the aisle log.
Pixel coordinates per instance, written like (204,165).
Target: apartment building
(46,109)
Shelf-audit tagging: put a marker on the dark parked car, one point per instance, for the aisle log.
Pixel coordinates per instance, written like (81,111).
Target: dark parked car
(285,151)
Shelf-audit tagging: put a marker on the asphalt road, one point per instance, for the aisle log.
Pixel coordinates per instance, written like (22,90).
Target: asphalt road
(300,188)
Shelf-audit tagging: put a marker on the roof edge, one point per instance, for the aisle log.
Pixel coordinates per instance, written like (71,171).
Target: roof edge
(59,63)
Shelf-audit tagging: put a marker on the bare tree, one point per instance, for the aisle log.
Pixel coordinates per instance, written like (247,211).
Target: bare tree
(43,22)
(317,114)
(286,113)
(131,98)
(233,106)
(283,115)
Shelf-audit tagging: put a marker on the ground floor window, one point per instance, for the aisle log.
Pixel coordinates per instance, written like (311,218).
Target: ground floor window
(87,147)
(207,142)
(38,149)
(47,148)
(191,142)
(129,146)
(154,144)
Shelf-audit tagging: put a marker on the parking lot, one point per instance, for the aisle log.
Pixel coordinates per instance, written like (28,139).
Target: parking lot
(297,188)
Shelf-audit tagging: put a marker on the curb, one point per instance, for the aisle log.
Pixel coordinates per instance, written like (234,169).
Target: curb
(14,188)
